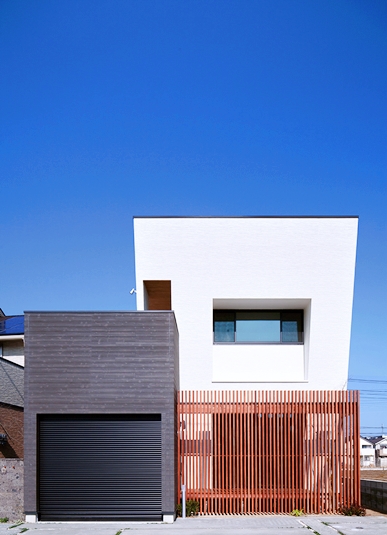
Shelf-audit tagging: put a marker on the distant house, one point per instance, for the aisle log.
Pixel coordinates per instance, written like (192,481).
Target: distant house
(367,453)
(11,386)
(11,409)
(12,338)
(380,448)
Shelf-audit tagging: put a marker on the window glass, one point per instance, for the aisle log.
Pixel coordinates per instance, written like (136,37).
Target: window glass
(224,327)
(292,328)
(289,331)
(258,327)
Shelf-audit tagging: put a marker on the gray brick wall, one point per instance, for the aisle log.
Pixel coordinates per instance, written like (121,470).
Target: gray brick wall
(374,495)
(101,363)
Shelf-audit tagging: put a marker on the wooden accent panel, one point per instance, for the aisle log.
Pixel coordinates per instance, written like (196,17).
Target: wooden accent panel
(269,452)
(158,295)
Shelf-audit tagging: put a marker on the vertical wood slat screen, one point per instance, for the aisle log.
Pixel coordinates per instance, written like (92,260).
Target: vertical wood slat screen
(246,452)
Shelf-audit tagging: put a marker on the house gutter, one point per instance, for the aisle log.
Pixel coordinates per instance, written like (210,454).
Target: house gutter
(11,337)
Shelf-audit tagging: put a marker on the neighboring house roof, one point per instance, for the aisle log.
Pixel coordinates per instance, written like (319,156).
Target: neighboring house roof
(11,325)
(367,440)
(382,443)
(376,440)
(11,383)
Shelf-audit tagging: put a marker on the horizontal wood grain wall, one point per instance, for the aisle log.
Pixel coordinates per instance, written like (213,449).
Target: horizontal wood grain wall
(247,452)
(101,363)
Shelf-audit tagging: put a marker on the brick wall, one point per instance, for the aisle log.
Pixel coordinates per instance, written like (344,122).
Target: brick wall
(11,423)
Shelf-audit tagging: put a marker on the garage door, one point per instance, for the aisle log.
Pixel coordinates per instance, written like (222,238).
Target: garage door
(99,467)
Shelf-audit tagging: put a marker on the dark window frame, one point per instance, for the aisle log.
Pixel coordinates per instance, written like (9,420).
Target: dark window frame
(285,315)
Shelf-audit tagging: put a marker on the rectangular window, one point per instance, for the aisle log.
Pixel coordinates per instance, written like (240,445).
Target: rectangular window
(258,326)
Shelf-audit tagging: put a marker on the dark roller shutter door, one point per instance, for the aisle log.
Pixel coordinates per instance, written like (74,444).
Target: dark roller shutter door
(100,467)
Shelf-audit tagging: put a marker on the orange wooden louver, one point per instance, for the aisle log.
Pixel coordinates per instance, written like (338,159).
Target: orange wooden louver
(269,451)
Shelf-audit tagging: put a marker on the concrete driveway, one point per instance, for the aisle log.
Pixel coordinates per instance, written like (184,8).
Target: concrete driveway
(249,525)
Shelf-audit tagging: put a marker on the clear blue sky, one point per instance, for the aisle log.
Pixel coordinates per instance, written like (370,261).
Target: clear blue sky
(117,108)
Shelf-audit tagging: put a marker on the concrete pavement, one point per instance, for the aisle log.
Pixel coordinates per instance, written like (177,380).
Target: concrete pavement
(248,525)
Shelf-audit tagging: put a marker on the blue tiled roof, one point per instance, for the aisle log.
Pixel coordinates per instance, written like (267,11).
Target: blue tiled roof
(13,325)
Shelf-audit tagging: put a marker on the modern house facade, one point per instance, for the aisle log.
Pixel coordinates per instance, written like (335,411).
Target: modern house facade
(230,378)
(264,307)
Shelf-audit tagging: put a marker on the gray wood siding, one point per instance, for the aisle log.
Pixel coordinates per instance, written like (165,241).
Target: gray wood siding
(101,363)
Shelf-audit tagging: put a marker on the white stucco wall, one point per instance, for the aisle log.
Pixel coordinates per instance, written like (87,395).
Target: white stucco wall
(262,263)
(259,363)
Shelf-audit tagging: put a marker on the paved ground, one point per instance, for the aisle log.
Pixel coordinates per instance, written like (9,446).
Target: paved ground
(378,474)
(254,525)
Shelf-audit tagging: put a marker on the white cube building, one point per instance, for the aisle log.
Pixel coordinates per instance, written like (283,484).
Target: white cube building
(261,303)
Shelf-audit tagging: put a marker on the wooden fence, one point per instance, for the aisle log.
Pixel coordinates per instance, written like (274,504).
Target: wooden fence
(269,451)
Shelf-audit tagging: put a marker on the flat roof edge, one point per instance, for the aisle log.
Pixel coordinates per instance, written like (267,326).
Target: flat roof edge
(246,217)
(98,311)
